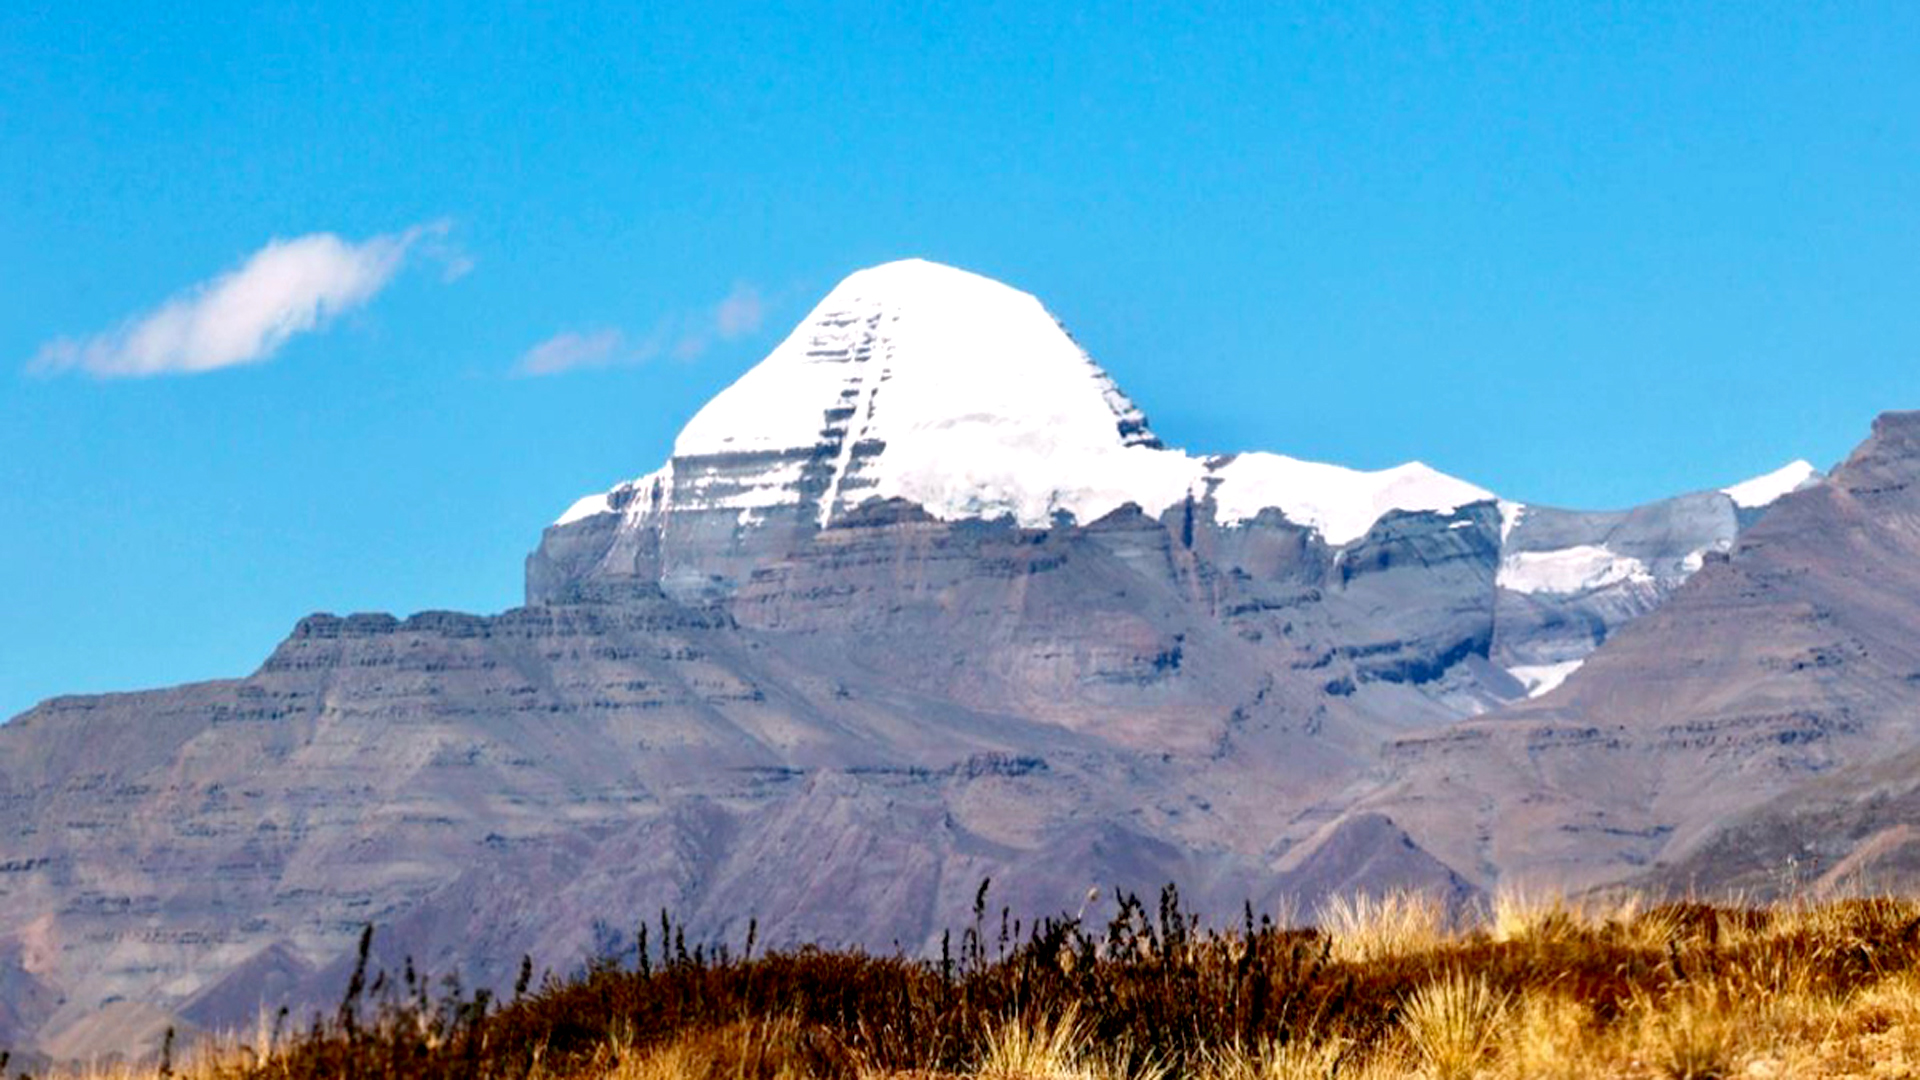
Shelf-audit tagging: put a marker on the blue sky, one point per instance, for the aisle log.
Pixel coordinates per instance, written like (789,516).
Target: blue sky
(1583,254)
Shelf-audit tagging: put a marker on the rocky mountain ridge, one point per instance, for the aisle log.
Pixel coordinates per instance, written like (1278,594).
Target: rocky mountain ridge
(965,400)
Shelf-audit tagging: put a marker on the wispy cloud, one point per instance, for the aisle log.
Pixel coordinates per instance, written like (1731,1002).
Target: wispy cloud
(573,350)
(740,314)
(684,336)
(244,316)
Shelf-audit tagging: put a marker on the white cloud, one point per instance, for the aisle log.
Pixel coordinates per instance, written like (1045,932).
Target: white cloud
(573,350)
(686,336)
(740,314)
(244,316)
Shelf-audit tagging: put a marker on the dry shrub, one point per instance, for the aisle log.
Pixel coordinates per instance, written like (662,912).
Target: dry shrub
(1299,1059)
(771,1048)
(1303,1059)
(676,1060)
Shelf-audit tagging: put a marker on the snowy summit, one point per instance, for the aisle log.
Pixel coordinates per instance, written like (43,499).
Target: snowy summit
(953,391)
(922,382)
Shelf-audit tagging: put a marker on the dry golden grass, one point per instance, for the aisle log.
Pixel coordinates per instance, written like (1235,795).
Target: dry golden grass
(766,1049)
(1546,1036)
(1521,915)
(1057,1049)
(1366,928)
(1453,1024)
(1541,988)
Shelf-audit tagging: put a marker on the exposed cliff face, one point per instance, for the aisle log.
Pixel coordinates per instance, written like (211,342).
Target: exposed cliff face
(920,601)
(841,763)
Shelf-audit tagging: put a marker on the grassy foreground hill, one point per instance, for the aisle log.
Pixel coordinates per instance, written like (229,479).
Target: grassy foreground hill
(1382,988)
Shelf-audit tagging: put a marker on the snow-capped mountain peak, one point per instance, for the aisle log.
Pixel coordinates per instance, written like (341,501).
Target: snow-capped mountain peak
(913,346)
(922,382)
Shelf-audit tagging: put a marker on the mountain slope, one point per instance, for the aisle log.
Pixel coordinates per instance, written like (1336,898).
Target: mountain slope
(1795,656)
(920,600)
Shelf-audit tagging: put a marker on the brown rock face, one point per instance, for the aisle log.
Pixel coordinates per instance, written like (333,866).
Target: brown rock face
(876,722)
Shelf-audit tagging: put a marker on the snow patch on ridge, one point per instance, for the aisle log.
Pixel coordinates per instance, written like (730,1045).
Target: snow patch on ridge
(1765,490)
(1544,678)
(1341,503)
(585,508)
(1510,515)
(1576,569)
(634,498)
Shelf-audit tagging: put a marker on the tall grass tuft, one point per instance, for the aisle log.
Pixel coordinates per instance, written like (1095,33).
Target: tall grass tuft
(1365,928)
(1521,915)
(1037,1049)
(1452,1024)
